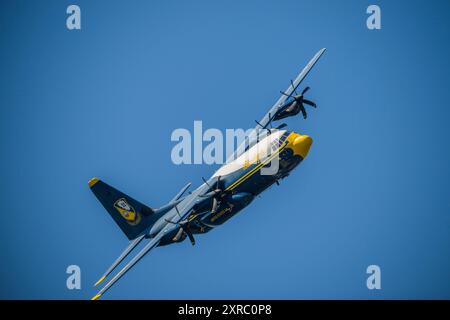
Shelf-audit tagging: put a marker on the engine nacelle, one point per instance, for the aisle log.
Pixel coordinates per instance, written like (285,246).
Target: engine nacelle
(289,110)
(241,199)
(228,208)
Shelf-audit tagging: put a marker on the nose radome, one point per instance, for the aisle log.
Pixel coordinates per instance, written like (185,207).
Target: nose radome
(302,144)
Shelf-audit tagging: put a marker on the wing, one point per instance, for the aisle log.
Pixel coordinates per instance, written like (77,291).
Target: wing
(265,121)
(153,243)
(268,118)
(183,209)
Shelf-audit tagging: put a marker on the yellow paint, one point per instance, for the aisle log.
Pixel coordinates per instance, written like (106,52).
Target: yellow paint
(221,213)
(92,182)
(100,280)
(192,217)
(301,145)
(129,215)
(255,157)
(96,297)
(256,168)
(127,212)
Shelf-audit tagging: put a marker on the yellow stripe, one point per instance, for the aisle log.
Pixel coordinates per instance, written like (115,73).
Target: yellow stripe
(92,182)
(254,170)
(96,297)
(101,279)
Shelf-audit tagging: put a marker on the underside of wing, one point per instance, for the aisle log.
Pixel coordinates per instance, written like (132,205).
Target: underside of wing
(281,108)
(265,121)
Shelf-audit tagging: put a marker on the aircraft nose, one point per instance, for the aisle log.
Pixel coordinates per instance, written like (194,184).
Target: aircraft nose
(301,144)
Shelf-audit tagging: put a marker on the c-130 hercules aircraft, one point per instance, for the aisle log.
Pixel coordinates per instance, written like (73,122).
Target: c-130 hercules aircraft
(229,190)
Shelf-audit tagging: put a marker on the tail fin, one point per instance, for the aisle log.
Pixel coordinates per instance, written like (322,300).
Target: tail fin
(132,216)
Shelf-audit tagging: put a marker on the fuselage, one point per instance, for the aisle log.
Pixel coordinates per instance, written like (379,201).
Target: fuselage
(264,163)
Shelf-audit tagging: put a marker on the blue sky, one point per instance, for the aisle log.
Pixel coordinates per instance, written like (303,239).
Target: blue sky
(103,101)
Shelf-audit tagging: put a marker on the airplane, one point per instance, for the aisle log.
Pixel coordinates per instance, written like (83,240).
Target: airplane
(229,190)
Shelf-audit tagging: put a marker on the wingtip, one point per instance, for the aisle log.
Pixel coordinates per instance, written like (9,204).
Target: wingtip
(99,281)
(96,296)
(93,181)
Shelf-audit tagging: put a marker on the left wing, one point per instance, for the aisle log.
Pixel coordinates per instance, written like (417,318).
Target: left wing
(183,209)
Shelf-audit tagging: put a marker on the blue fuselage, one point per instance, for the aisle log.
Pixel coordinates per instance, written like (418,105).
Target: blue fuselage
(244,184)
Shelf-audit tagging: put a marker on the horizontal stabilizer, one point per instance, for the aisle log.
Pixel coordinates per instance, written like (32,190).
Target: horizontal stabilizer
(181,192)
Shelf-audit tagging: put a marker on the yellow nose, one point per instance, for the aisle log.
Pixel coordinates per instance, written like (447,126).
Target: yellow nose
(301,145)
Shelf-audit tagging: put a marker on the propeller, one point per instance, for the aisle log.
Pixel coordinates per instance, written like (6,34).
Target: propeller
(298,103)
(185,227)
(217,194)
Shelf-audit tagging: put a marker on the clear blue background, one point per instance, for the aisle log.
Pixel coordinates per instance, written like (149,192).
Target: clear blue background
(104,100)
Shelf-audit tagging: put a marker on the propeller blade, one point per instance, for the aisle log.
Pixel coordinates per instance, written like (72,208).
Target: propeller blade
(189,234)
(310,103)
(178,235)
(302,108)
(206,182)
(293,87)
(217,183)
(259,124)
(214,206)
(305,90)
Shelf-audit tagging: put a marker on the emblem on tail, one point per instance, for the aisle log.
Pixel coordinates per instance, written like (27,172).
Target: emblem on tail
(127,212)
